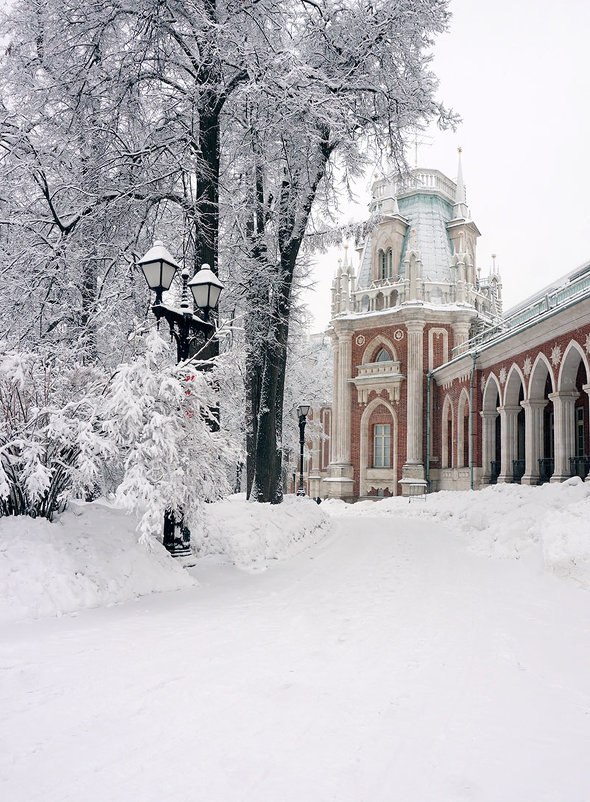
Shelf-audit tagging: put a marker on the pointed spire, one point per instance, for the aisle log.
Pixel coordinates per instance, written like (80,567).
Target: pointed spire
(460,198)
(460,209)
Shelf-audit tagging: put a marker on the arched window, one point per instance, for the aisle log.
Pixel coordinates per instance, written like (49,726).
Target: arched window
(381,264)
(388,263)
(382,356)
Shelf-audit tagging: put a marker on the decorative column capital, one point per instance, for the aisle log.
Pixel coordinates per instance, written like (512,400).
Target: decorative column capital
(564,396)
(488,414)
(508,409)
(415,326)
(535,403)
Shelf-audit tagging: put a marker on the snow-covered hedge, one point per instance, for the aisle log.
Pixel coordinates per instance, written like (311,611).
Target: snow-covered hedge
(88,557)
(252,535)
(91,555)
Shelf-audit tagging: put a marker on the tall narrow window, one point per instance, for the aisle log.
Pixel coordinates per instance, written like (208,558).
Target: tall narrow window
(381,264)
(389,263)
(382,445)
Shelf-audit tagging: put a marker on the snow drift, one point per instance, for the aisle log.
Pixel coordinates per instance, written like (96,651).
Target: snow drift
(548,523)
(91,555)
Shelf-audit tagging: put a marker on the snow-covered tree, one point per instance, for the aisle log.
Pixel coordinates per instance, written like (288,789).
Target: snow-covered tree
(342,78)
(51,443)
(221,122)
(159,418)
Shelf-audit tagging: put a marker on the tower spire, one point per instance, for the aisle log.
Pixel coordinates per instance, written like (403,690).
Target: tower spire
(460,184)
(460,208)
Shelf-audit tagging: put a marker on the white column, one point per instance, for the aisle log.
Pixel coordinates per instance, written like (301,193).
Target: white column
(460,336)
(488,443)
(339,482)
(563,432)
(509,420)
(335,435)
(345,369)
(533,439)
(415,385)
(586,389)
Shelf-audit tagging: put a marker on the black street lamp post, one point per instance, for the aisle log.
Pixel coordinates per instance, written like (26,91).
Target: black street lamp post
(302,413)
(187,328)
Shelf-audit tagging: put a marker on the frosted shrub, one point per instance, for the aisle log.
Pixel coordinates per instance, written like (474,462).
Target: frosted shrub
(159,418)
(50,439)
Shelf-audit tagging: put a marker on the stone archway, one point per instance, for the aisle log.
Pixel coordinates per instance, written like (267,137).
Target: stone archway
(371,476)
(463,444)
(491,449)
(571,414)
(513,428)
(538,408)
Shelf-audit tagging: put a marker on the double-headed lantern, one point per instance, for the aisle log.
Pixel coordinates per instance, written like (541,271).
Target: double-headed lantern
(188,329)
(159,268)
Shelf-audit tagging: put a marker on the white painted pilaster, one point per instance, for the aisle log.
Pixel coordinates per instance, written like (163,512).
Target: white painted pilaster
(488,443)
(564,432)
(533,439)
(509,419)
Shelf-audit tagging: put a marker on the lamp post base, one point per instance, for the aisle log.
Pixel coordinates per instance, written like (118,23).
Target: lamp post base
(177,536)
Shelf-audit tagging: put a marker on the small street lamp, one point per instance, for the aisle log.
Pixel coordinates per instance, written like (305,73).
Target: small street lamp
(187,328)
(302,413)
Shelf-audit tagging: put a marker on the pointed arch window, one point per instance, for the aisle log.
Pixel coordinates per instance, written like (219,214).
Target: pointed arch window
(388,263)
(381,263)
(382,356)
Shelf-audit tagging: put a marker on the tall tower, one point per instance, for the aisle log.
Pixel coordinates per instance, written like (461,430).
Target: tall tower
(410,309)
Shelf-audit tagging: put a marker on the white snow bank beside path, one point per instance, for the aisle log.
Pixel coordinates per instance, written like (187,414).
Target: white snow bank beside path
(252,535)
(90,556)
(550,522)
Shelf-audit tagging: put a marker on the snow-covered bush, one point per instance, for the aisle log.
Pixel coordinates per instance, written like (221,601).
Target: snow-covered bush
(50,439)
(160,420)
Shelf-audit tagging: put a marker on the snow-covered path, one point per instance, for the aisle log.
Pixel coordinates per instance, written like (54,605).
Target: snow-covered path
(386,663)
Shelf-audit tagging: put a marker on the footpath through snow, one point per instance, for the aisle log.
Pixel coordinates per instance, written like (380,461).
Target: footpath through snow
(91,555)
(387,662)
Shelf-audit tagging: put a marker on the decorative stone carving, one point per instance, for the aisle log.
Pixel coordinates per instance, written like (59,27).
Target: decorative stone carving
(378,376)
(360,340)
(556,355)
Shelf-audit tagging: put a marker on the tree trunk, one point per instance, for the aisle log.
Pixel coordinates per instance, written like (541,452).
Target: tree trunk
(295,202)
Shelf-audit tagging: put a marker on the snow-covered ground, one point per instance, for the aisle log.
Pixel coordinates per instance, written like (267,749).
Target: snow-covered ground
(390,658)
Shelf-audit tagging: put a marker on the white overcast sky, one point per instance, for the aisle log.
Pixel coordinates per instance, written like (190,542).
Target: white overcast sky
(518,73)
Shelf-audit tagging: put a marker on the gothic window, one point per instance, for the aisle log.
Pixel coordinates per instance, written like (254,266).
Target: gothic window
(381,265)
(382,356)
(388,263)
(382,445)
(447,434)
